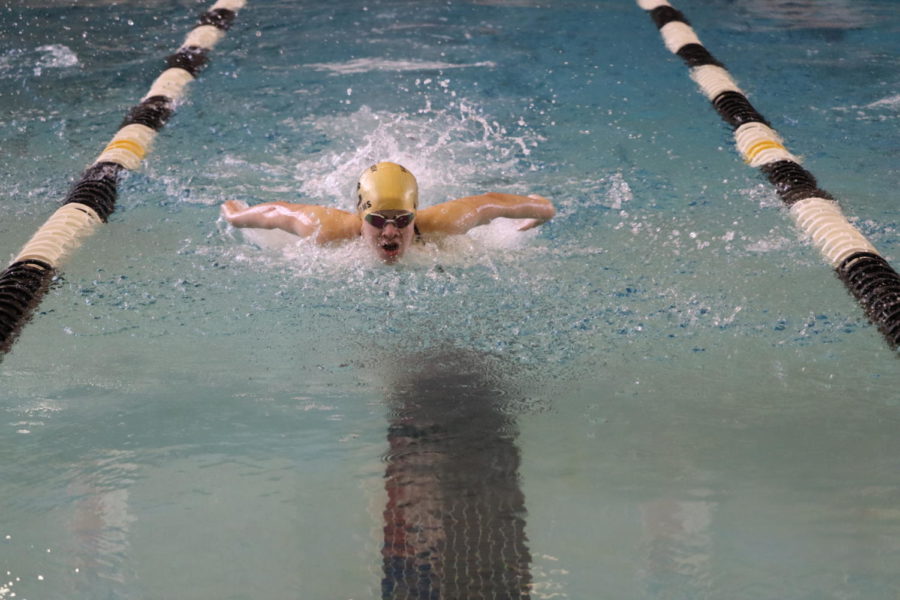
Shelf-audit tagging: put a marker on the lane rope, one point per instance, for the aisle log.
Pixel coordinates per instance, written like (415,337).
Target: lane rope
(865,273)
(92,199)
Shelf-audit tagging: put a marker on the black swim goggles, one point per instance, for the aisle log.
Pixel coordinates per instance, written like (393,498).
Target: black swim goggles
(380,221)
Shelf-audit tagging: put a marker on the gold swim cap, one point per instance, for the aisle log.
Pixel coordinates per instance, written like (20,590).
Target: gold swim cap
(386,186)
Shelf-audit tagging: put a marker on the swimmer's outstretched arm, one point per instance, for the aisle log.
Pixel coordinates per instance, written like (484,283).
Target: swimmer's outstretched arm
(323,223)
(461,215)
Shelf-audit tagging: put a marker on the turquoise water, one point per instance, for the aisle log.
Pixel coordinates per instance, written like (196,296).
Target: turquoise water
(675,395)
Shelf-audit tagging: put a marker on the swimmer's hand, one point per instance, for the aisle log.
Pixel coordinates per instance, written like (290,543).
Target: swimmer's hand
(532,223)
(231,208)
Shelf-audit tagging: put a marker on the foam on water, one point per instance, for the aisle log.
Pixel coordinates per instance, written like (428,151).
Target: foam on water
(368,65)
(449,150)
(337,261)
(891,102)
(881,110)
(16,62)
(455,150)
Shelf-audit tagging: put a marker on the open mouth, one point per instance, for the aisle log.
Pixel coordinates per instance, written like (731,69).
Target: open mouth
(390,246)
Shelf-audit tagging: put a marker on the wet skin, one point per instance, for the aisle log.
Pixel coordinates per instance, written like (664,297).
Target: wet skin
(389,243)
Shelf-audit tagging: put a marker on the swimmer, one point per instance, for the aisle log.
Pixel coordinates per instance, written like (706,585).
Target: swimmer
(387,213)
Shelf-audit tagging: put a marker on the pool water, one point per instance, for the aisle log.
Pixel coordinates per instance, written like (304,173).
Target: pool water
(665,392)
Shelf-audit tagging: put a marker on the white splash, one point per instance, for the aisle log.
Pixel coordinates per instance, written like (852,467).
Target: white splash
(57,56)
(773,243)
(306,258)
(367,65)
(15,62)
(889,102)
(452,152)
(619,192)
(54,56)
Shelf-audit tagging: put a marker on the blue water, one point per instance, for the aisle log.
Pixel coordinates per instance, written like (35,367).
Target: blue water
(674,392)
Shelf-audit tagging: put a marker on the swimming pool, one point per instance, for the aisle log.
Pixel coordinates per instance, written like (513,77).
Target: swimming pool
(670,393)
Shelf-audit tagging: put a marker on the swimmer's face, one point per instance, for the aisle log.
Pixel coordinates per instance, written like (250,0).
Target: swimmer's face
(389,232)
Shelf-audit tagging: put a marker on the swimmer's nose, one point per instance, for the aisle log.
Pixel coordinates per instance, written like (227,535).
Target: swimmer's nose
(391,229)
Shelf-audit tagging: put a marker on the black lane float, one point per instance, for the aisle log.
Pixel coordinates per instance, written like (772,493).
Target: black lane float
(93,198)
(868,276)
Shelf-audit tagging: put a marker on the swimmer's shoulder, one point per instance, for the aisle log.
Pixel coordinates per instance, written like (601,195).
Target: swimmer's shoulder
(426,221)
(334,225)
(436,221)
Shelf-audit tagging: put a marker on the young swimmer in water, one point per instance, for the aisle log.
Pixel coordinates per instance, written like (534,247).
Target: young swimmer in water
(387,214)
